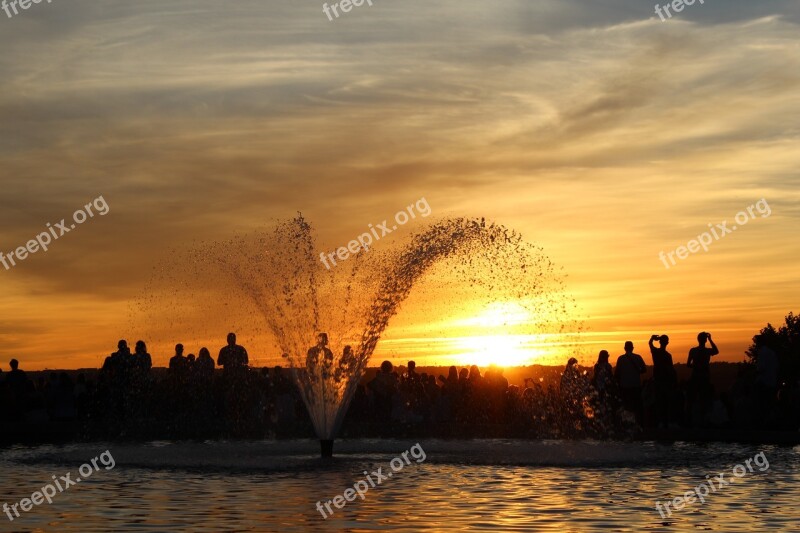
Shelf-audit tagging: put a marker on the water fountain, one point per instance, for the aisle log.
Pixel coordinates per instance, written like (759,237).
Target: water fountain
(327,322)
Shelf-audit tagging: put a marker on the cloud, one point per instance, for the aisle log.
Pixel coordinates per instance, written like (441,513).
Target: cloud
(593,127)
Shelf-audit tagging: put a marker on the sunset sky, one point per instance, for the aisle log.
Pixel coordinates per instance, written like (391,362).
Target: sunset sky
(599,132)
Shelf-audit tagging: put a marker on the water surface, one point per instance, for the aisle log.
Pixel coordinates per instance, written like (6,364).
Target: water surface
(475,485)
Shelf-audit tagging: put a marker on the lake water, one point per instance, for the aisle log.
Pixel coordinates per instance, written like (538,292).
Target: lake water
(497,485)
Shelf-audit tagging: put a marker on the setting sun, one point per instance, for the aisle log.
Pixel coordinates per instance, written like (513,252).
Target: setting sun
(500,350)
(505,346)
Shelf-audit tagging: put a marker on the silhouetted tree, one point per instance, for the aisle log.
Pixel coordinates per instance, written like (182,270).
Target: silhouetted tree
(785,341)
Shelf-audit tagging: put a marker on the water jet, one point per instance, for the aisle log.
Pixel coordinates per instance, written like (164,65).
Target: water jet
(275,279)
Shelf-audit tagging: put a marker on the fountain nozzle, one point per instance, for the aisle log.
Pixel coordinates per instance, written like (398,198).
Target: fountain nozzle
(326,448)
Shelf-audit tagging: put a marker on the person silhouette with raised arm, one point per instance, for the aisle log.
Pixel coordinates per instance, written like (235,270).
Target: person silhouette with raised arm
(664,377)
(700,389)
(700,356)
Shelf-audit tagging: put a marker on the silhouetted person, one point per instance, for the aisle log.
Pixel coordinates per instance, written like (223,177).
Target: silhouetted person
(179,386)
(138,386)
(383,387)
(700,356)
(452,376)
(232,356)
(119,362)
(449,395)
(629,370)
(699,361)
(603,374)
(234,362)
(431,388)
(18,388)
(664,377)
(450,383)
(178,364)
(475,397)
(16,379)
(114,381)
(141,359)
(571,387)
(347,364)
(201,386)
(204,366)
(569,377)
(475,380)
(319,357)
(411,374)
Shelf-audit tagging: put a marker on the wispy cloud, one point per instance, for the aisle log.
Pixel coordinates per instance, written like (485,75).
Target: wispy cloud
(597,130)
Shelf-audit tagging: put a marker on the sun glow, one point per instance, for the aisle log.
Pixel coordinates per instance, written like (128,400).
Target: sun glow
(498,315)
(496,341)
(500,350)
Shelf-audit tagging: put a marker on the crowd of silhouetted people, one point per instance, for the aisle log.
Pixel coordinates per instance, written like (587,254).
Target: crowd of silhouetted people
(602,401)
(200,397)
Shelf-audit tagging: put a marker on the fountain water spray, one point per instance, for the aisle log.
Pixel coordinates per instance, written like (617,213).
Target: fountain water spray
(327,323)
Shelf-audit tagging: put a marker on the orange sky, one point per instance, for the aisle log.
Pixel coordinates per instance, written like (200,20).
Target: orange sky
(599,132)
